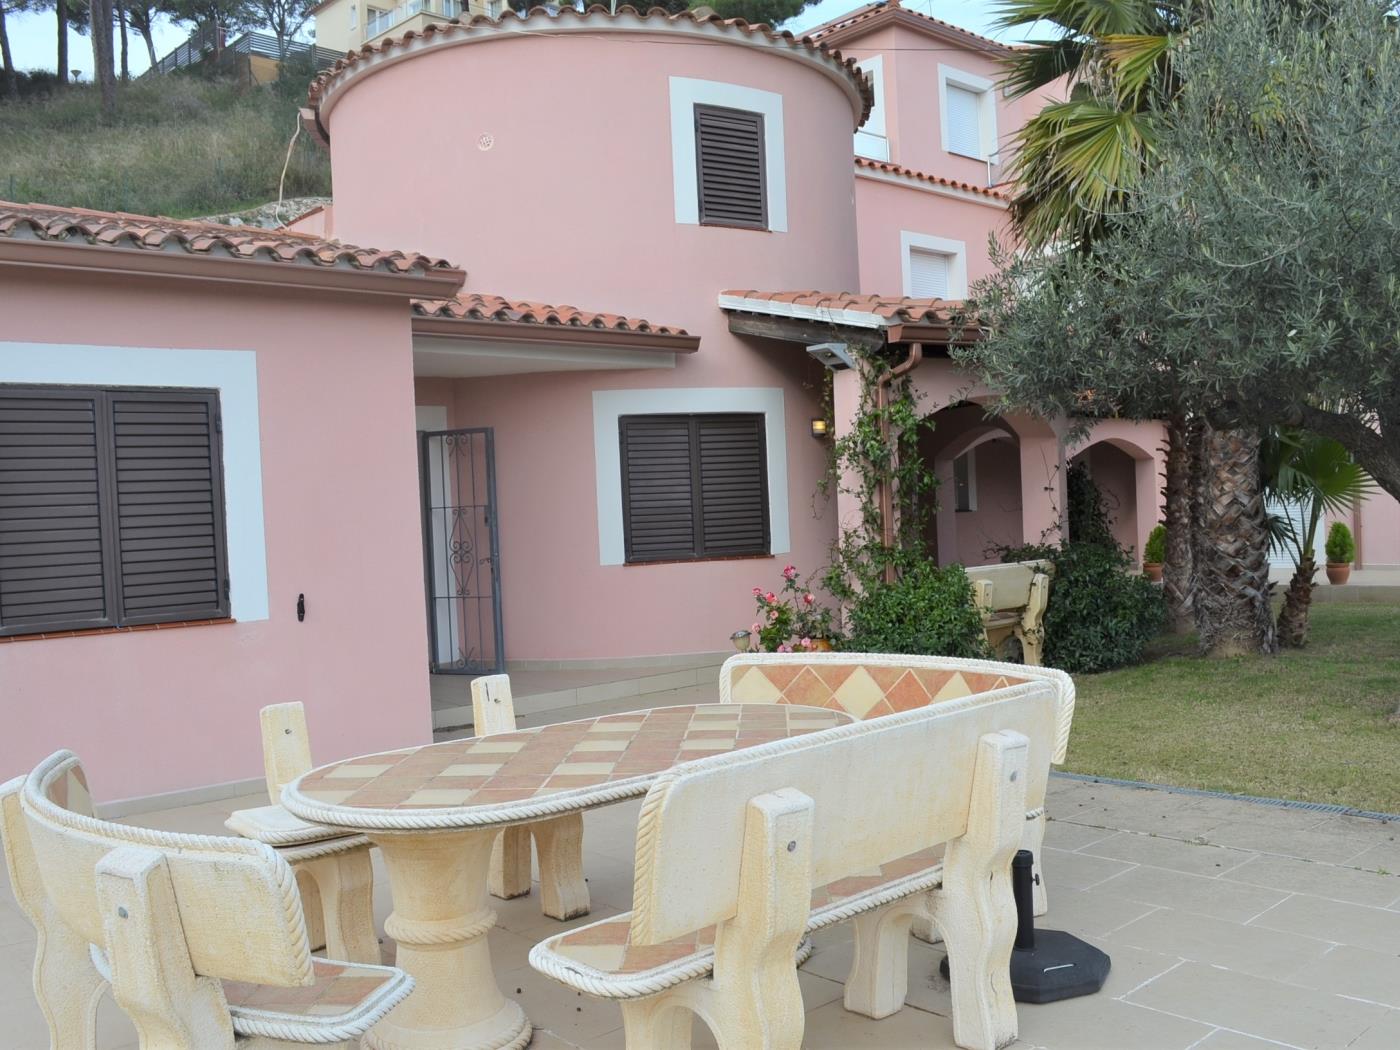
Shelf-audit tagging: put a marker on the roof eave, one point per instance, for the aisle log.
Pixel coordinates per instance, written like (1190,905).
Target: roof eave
(911,20)
(88,258)
(558,334)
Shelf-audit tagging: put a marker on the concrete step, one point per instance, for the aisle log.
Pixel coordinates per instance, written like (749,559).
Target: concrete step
(538,690)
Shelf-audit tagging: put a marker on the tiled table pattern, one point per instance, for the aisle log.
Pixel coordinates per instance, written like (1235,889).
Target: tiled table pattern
(862,690)
(509,767)
(338,987)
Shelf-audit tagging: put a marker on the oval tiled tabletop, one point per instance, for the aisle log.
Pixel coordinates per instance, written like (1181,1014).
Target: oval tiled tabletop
(529,773)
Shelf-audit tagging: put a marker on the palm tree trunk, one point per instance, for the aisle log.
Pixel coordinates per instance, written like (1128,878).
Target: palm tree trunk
(1231,599)
(60,9)
(1176,572)
(1293,617)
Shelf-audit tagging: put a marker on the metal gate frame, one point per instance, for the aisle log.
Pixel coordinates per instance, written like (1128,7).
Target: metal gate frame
(473,661)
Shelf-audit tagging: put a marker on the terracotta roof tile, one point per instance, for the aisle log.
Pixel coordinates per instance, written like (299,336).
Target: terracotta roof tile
(872,15)
(657,19)
(477,307)
(937,180)
(872,311)
(45,222)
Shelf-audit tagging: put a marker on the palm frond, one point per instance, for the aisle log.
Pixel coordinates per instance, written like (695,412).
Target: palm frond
(1041,64)
(1140,62)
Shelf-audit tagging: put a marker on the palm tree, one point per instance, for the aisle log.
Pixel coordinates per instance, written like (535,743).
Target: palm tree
(1075,166)
(1315,475)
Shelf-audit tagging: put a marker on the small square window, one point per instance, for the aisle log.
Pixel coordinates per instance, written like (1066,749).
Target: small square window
(968,113)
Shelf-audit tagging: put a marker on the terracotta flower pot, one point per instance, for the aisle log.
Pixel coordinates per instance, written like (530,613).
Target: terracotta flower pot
(1153,571)
(1338,572)
(821,645)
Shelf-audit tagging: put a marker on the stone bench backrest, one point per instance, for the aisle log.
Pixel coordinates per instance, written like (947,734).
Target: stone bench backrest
(870,685)
(237,899)
(1010,584)
(882,789)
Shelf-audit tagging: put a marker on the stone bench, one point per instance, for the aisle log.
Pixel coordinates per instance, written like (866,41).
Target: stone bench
(1012,599)
(202,939)
(868,685)
(882,822)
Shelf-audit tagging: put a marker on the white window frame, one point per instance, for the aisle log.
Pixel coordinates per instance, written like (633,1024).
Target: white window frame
(609,405)
(985,88)
(872,138)
(957,260)
(686,94)
(354,16)
(234,374)
(971,458)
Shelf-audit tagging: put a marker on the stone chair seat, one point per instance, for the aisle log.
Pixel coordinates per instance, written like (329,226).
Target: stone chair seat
(345,1002)
(276,827)
(597,958)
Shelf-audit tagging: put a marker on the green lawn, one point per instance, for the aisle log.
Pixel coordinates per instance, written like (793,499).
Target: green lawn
(1311,724)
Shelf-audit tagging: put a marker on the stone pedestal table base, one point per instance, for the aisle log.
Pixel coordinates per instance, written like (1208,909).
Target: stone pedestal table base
(440,920)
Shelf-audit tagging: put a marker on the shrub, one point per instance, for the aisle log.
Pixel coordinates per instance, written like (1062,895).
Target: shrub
(1101,614)
(1154,551)
(1341,547)
(928,611)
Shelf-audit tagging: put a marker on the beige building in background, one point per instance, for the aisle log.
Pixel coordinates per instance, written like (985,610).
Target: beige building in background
(344,25)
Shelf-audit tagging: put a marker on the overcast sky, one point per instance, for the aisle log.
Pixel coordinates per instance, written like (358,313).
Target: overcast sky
(32,36)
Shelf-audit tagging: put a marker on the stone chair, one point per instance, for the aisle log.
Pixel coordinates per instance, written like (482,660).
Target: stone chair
(868,685)
(1012,599)
(558,840)
(334,869)
(202,939)
(881,822)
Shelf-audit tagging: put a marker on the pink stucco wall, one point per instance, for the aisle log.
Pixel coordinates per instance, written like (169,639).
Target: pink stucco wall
(884,210)
(172,709)
(574,203)
(1379,517)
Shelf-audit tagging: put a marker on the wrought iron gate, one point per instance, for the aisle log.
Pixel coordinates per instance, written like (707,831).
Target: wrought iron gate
(462,563)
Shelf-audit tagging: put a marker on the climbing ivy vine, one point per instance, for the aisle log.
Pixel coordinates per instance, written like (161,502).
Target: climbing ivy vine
(862,461)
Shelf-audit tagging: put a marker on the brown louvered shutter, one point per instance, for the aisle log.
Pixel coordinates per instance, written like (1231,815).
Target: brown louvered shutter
(730,159)
(52,570)
(694,486)
(658,488)
(733,485)
(168,511)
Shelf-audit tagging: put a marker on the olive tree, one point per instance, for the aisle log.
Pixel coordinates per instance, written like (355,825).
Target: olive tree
(1255,280)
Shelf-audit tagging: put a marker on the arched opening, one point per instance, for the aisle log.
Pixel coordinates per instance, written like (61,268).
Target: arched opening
(977,459)
(1125,475)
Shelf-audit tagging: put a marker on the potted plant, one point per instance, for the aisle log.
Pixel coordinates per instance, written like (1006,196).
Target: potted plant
(791,619)
(1154,553)
(1341,552)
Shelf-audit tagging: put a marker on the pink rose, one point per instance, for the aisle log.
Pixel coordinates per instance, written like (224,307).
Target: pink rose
(770,596)
(773,616)
(756,628)
(808,599)
(790,571)
(758,591)
(785,648)
(806,643)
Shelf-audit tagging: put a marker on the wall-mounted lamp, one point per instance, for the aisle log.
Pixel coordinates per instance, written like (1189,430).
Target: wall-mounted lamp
(740,640)
(819,428)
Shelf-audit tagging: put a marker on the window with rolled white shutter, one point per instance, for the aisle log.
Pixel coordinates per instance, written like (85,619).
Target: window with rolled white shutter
(962,113)
(928,274)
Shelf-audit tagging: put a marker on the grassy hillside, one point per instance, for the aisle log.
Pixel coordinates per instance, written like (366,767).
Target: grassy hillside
(181,146)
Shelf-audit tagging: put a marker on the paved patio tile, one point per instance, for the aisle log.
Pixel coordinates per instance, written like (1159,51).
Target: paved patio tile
(1384,1035)
(1065,835)
(1352,972)
(1248,949)
(1223,1039)
(1090,913)
(1333,844)
(1079,871)
(1192,858)
(1354,924)
(1295,1016)
(1194,893)
(1336,882)
(14,927)
(1107,1024)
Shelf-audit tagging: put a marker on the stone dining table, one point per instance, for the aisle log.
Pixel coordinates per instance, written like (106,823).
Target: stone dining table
(436,810)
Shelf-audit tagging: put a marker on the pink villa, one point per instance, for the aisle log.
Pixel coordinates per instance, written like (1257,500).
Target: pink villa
(245,466)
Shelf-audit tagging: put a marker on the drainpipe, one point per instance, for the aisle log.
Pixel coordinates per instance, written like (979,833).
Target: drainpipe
(886,490)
